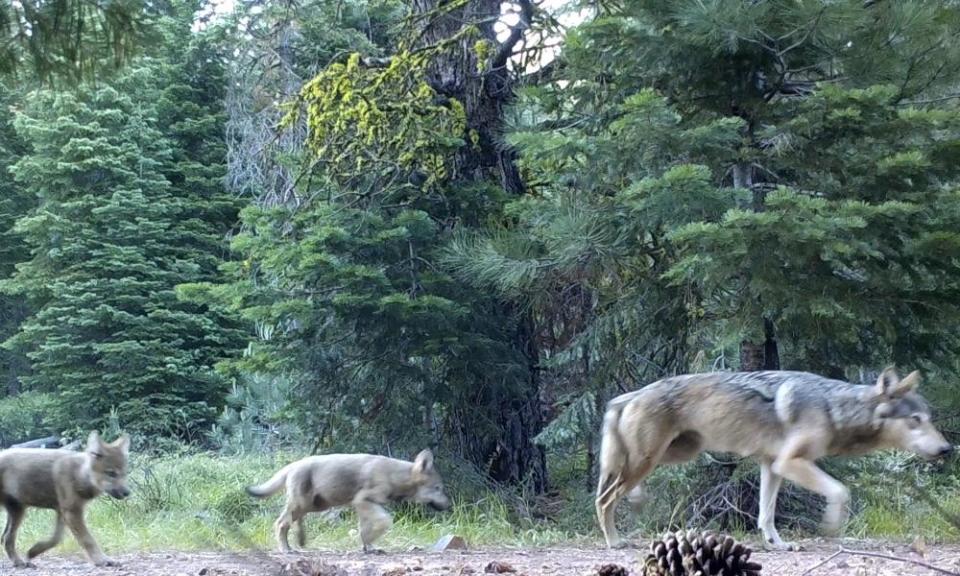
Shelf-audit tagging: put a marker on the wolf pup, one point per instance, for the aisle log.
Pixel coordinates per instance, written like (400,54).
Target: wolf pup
(365,481)
(65,481)
(784,420)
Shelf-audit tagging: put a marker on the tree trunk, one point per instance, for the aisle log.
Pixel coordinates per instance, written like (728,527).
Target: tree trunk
(751,356)
(17,364)
(771,351)
(485,90)
(756,356)
(454,73)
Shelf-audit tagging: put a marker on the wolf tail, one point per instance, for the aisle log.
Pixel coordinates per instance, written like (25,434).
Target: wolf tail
(271,486)
(613,452)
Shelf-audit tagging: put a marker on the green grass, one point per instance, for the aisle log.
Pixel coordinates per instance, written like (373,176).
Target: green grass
(197,502)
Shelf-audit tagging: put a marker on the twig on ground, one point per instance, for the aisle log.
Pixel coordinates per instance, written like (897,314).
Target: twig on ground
(822,562)
(843,550)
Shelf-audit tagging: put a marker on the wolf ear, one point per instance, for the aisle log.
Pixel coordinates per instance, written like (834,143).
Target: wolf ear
(93,443)
(907,385)
(423,462)
(123,443)
(887,381)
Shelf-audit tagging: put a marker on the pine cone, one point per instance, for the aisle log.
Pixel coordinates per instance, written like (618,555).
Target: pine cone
(692,554)
(612,570)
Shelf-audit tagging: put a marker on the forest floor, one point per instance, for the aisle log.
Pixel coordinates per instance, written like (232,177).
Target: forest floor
(553,561)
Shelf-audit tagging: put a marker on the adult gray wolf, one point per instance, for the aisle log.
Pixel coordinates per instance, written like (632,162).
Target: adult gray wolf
(365,481)
(65,481)
(785,420)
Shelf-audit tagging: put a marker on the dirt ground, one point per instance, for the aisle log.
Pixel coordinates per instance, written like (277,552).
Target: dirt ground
(559,561)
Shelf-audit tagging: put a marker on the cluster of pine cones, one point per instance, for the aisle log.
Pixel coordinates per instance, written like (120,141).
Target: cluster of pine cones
(693,554)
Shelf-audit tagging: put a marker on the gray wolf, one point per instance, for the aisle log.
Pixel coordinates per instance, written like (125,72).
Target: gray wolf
(784,420)
(64,481)
(365,481)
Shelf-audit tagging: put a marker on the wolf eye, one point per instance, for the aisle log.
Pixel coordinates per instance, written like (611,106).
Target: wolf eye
(112,473)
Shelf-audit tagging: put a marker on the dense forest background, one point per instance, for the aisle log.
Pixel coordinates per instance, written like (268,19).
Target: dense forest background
(381,225)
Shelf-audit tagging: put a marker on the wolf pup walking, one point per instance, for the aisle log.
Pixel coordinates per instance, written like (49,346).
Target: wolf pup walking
(785,420)
(365,481)
(64,481)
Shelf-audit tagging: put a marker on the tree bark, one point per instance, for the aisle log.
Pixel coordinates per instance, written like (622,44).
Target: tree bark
(485,89)
(484,95)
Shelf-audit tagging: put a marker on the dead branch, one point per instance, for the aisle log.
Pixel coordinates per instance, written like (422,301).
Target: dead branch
(516,34)
(822,562)
(47,442)
(843,550)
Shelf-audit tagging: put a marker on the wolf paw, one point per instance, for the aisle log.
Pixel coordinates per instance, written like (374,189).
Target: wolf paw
(105,561)
(20,563)
(781,546)
(369,550)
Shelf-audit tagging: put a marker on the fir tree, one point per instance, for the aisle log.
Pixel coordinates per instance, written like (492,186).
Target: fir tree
(787,167)
(109,241)
(14,203)
(778,178)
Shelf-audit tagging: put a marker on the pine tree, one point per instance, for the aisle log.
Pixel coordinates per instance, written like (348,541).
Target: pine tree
(777,178)
(109,242)
(14,203)
(787,167)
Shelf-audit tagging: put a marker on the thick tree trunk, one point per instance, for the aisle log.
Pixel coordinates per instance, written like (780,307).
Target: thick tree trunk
(17,364)
(753,355)
(764,355)
(485,90)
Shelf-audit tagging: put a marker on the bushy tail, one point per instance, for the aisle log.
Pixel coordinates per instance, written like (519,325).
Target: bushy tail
(271,486)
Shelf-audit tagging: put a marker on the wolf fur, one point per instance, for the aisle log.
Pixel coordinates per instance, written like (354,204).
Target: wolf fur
(64,481)
(784,420)
(365,481)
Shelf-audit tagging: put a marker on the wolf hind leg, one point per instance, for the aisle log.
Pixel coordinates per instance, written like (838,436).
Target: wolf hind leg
(291,514)
(15,514)
(637,497)
(612,488)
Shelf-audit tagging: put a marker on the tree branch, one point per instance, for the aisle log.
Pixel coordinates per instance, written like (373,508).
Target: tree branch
(843,550)
(516,34)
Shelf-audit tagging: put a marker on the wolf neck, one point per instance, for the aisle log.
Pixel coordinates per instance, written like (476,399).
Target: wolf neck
(86,487)
(403,490)
(851,414)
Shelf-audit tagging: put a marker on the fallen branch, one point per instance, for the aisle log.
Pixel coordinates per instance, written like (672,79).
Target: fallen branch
(48,442)
(843,550)
(822,562)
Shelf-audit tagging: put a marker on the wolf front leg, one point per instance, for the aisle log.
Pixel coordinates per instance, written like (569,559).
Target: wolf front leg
(796,463)
(373,519)
(73,517)
(769,487)
(44,545)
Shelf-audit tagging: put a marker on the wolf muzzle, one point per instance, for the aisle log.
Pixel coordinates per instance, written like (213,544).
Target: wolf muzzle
(119,493)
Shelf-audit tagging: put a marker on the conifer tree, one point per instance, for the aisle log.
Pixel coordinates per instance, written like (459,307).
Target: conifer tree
(774,181)
(790,167)
(14,203)
(109,241)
